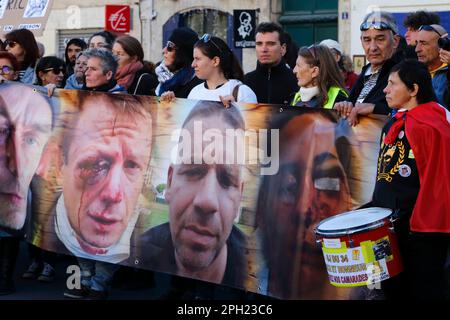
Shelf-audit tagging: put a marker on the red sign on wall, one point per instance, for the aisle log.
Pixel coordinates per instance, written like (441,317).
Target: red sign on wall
(117,18)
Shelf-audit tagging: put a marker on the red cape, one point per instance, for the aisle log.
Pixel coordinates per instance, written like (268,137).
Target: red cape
(427,128)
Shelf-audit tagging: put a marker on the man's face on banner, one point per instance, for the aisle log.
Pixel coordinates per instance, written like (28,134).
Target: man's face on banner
(25,126)
(203,202)
(104,171)
(312,186)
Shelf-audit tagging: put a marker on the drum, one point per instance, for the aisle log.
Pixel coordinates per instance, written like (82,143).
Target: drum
(359,247)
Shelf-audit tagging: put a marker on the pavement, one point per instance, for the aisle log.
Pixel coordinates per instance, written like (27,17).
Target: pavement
(127,285)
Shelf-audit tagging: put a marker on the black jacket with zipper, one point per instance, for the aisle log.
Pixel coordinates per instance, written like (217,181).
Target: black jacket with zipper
(272,84)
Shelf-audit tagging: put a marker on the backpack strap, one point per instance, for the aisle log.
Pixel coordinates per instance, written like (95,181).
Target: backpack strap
(236,91)
(139,81)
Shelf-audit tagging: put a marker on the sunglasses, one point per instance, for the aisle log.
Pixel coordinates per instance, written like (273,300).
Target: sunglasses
(10,43)
(56,70)
(377,25)
(427,27)
(170,46)
(208,38)
(6,70)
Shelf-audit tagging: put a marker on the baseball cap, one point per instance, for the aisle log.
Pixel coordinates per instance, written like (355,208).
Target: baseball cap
(332,44)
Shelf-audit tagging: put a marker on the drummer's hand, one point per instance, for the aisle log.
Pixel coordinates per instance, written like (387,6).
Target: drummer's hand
(227,100)
(343,108)
(168,96)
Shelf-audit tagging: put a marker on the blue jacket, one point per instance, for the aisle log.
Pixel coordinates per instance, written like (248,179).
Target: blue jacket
(440,85)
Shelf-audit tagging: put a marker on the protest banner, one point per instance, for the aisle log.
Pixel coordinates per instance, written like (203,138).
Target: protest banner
(225,195)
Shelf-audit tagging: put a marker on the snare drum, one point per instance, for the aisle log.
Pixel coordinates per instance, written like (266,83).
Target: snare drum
(360,247)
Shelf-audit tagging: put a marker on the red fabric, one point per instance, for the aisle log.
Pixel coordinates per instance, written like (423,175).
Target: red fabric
(427,128)
(395,128)
(350,80)
(126,74)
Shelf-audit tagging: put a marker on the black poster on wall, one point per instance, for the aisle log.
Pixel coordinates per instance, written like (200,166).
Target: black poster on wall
(244,28)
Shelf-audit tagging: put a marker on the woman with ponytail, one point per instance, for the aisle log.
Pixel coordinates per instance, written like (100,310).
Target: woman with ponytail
(216,64)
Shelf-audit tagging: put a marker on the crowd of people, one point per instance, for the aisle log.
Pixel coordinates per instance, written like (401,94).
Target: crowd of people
(406,78)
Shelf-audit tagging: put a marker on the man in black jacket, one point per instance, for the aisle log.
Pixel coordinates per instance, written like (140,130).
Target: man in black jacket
(379,38)
(272,80)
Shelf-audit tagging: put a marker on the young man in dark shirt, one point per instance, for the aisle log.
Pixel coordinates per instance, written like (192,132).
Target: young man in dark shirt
(272,80)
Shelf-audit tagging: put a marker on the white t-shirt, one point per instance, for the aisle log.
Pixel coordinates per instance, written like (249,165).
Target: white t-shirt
(245,94)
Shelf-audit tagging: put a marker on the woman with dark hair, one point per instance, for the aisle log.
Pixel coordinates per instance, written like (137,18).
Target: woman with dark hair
(319,78)
(412,179)
(175,75)
(50,70)
(22,44)
(216,64)
(132,74)
(102,39)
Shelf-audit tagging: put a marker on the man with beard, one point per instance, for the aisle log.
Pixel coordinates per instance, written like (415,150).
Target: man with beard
(200,240)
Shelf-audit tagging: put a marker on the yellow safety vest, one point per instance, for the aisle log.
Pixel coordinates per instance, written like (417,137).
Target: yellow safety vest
(332,95)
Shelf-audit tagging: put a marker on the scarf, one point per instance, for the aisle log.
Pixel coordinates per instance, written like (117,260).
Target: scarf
(126,74)
(394,130)
(163,72)
(307,94)
(179,79)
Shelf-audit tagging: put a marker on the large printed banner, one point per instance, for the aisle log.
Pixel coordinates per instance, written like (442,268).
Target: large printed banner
(24,14)
(226,195)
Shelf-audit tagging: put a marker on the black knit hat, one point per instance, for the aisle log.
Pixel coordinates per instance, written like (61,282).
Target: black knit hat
(184,38)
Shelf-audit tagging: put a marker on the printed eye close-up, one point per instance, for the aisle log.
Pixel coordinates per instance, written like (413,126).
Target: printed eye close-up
(93,170)
(288,191)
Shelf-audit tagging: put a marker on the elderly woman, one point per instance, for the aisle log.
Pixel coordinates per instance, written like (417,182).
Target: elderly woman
(320,81)
(76,80)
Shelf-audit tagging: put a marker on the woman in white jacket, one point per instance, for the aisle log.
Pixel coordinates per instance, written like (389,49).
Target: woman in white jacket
(216,64)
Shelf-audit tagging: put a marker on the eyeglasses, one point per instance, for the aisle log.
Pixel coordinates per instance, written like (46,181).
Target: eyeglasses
(208,38)
(170,46)
(427,27)
(10,43)
(56,70)
(6,70)
(377,25)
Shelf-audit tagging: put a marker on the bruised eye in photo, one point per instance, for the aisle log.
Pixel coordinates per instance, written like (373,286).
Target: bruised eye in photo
(93,170)
(289,187)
